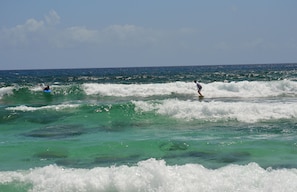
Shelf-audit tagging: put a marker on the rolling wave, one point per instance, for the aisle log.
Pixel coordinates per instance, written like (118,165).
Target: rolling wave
(213,111)
(242,89)
(151,175)
(224,101)
(248,111)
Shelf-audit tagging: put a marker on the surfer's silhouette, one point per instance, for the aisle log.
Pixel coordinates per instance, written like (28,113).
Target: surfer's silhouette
(199,87)
(46,88)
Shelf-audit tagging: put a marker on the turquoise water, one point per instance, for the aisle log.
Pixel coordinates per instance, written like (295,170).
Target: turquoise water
(145,129)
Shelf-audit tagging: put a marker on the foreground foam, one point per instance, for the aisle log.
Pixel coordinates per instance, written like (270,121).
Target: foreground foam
(153,175)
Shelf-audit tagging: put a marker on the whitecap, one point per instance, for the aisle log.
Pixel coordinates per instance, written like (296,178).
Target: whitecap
(154,175)
(244,111)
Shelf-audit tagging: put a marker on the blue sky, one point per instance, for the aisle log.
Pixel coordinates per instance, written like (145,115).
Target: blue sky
(40,34)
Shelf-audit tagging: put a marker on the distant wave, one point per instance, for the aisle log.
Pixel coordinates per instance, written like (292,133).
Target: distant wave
(240,101)
(242,89)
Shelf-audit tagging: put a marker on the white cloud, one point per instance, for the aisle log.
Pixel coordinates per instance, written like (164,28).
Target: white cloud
(31,32)
(31,25)
(122,32)
(123,28)
(81,34)
(19,34)
(73,36)
(52,18)
(113,35)
(45,33)
(129,34)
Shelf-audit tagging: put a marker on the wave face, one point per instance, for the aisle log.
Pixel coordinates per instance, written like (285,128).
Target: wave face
(146,129)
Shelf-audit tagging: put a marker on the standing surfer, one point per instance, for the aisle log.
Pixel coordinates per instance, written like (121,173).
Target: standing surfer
(199,87)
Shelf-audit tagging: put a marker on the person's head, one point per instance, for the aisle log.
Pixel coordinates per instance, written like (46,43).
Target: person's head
(195,81)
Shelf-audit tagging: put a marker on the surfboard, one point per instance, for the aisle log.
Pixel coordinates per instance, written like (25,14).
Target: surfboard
(47,91)
(200,98)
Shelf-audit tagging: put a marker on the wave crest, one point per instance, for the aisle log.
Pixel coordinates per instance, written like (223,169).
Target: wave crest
(244,111)
(154,175)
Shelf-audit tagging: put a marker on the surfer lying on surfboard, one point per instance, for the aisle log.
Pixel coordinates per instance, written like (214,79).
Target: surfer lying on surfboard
(199,87)
(47,88)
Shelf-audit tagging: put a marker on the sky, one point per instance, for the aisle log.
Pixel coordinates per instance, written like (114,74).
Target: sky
(54,34)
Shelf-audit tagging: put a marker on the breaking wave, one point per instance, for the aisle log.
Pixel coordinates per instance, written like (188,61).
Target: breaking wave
(151,175)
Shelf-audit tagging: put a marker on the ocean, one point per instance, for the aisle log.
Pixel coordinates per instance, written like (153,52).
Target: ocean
(146,129)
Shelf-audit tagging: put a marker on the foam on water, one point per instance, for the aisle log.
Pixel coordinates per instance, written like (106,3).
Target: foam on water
(47,107)
(248,89)
(140,90)
(244,89)
(6,91)
(154,175)
(244,111)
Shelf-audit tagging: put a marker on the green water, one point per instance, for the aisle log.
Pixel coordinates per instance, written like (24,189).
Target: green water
(100,118)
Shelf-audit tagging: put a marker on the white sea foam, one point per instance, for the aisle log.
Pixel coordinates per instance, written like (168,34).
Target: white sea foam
(140,90)
(244,111)
(5,91)
(155,175)
(252,89)
(49,107)
(37,88)
(243,89)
